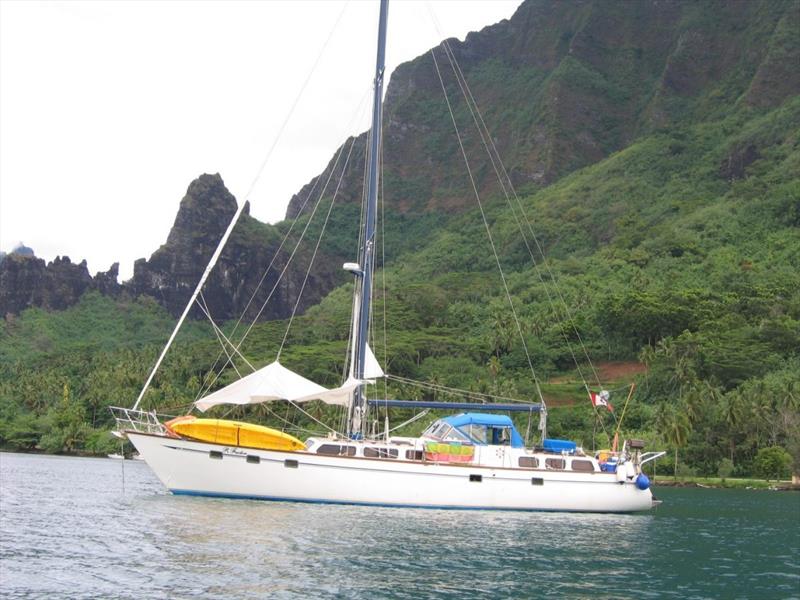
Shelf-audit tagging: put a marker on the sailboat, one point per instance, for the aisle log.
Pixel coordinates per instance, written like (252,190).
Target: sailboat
(472,459)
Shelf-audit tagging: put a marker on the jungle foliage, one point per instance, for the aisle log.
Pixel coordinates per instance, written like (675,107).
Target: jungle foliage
(656,255)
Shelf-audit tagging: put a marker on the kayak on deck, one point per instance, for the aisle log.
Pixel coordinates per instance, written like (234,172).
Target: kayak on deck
(233,433)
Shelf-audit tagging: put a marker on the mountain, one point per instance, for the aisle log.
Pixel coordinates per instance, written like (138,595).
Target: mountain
(562,85)
(172,272)
(27,281)
(655,147)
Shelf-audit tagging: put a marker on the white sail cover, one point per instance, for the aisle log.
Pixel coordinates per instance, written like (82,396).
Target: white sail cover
(341,395)
(276,382)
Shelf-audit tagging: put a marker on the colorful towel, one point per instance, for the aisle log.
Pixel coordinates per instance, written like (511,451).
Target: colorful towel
(449,452)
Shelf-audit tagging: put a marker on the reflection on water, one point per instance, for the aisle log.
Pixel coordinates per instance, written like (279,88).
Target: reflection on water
(69,531)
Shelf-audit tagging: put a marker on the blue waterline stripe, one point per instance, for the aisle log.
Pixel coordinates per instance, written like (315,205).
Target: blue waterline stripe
(178,492)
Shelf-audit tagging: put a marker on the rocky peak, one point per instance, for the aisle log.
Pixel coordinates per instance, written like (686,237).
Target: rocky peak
(205,211)
(172,272)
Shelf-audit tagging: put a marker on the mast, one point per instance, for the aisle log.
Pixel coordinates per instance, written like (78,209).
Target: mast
(361,318)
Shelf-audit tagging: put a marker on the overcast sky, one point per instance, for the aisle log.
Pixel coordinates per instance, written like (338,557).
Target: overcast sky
(108,110)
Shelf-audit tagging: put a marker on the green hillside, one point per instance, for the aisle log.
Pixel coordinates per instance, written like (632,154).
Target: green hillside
(656,239)
(659,255)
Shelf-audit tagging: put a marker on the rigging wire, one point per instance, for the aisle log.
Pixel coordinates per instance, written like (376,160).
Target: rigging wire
(504,180)
(451,390)
(201,302)
(241,341)
(258,288)
(466,92)
(416,417)
(208,386)
(294,426)
(263,165)
(383,285)
(286,266)
(488,229)
(316,248)
(313,257)
(296,100)
(481,127)
(224,339)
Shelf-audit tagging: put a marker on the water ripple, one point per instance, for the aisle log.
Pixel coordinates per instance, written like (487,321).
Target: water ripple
(68,531)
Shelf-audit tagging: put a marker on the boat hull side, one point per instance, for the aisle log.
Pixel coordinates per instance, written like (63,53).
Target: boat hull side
(188,468)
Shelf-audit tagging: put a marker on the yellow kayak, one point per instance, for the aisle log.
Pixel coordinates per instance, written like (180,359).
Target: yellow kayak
(233,433)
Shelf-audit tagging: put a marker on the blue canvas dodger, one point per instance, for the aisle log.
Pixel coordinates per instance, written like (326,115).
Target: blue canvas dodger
(559,446)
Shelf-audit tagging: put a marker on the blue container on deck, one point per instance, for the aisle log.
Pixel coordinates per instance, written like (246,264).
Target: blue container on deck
(609,467)
(559,446)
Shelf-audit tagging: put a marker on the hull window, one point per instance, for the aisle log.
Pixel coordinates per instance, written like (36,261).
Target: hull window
(476,478)
(583,465)
(290,464)
(380,452)
(413,454)
(336,450)
(556,464)
(537,481)
(529,462)
(253,459)
(215,454)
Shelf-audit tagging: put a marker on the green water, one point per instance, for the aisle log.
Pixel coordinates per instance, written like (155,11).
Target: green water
(68,530)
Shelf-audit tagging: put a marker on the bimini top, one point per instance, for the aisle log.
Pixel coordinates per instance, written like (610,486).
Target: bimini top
(479,419)
(486,428)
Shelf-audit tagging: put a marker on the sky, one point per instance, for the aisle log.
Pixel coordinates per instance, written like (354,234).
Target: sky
(108,110)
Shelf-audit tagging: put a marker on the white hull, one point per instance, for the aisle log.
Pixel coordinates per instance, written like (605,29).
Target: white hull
(187,467)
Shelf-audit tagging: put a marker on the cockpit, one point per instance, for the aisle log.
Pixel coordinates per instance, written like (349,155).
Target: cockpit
(478,429)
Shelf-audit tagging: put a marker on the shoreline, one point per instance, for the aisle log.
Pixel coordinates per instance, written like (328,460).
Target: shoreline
(728,484)
(58,454)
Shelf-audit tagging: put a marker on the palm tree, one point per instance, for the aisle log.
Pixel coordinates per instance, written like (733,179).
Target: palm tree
(494,365)
(732,413)
(502,333)
(675,426)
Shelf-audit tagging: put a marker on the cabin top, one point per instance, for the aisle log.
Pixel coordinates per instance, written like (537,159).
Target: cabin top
(476,428)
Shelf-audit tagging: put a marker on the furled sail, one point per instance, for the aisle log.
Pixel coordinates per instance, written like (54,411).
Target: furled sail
(276,382)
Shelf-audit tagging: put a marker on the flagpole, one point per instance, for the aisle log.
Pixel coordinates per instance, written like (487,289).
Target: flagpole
(619,423)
